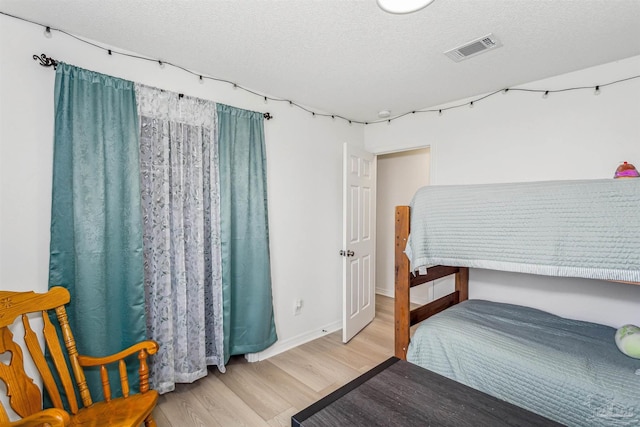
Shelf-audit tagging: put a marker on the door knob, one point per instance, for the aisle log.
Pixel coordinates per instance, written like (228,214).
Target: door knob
(350,253)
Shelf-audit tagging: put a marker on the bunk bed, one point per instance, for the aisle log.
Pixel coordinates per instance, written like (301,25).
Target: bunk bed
(566,370)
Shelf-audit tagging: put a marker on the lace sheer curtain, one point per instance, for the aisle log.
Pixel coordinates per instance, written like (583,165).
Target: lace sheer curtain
(181,218)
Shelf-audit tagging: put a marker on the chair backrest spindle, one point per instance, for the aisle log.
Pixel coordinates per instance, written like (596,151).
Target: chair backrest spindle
(55,351)
(106,386)
(124,378)
(143,371)
(72,351)
(31,341)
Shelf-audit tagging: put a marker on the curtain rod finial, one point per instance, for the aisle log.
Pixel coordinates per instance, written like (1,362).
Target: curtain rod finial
(45,61)
(267,116)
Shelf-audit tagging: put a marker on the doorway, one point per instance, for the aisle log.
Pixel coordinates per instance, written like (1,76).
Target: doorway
(400,175)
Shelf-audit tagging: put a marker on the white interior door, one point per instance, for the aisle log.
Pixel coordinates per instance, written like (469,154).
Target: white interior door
(359,189)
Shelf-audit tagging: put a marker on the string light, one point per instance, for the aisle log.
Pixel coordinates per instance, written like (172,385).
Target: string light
(201,80)
(471,104)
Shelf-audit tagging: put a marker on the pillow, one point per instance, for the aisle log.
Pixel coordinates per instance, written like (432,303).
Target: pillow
(628,340)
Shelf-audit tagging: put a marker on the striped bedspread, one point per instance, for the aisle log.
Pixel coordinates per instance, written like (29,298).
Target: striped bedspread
(567,370)
(585,228)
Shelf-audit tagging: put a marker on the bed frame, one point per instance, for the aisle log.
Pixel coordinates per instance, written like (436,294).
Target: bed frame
(405,317)
(405,280)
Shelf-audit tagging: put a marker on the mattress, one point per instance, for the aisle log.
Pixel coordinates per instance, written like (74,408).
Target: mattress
(567,370)
(581,228)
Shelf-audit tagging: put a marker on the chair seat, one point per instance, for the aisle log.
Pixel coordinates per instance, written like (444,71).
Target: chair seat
(130,411)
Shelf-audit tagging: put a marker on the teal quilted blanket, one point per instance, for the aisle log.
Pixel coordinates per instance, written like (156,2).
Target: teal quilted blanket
(567,370)
(586,228)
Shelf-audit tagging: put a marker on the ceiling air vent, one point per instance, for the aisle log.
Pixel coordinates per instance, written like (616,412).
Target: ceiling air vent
(473,48)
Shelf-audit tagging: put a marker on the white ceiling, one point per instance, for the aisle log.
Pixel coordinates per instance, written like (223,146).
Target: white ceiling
(348,57)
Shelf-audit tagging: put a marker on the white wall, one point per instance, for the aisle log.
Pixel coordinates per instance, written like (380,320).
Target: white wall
(523,137)
(304,161)
(399,176)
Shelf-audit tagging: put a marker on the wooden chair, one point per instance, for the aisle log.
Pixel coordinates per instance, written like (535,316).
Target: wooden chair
(25,397)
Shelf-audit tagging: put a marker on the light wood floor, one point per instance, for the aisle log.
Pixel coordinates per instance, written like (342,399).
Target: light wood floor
(269,392)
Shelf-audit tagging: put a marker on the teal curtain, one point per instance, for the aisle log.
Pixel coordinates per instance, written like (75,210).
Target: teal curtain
(246,275)
(96,232)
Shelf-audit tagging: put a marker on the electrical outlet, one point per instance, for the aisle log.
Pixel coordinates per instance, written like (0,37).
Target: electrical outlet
(297,306)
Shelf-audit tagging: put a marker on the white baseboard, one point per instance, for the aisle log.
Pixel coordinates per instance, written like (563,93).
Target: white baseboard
(288,344)
(385,292)
(391,294)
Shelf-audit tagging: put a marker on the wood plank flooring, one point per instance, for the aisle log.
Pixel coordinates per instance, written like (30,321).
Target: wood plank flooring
(269,392)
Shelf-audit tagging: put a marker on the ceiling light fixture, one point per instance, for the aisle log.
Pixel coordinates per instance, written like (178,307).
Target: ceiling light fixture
(403,6)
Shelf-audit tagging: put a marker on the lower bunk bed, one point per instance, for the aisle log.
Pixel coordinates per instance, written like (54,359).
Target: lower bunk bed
(566,370)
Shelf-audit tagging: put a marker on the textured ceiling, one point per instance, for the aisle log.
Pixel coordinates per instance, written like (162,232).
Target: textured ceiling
(348,57)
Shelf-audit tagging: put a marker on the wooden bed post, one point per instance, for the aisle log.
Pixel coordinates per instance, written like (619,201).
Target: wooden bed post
(404,280)
(462,284)
(402,285)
